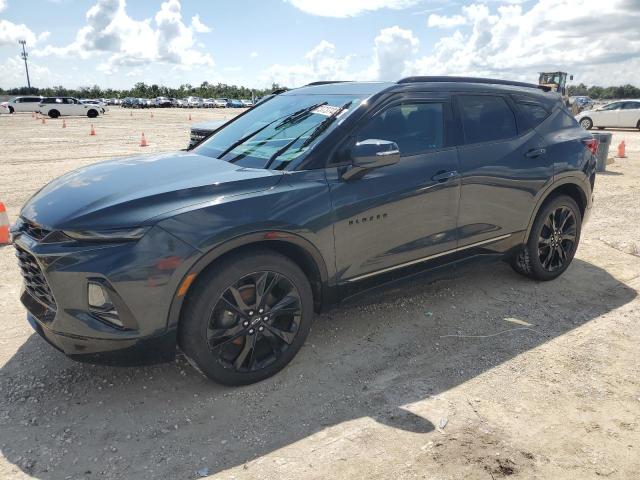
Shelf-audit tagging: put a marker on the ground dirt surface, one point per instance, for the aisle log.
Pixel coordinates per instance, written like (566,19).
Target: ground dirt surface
(483,374)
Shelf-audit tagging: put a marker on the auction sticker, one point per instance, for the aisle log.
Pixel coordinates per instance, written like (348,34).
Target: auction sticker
(326,110)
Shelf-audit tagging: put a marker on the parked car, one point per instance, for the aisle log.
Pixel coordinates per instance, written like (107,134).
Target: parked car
(162,102)
(234,104)
(582,103)
(55,107)
(201,130)
(194,102)
(22,104)
(305,200)
(128,102)
(99,104)
(208,103)
(246,103)
(220,103)
(621,114)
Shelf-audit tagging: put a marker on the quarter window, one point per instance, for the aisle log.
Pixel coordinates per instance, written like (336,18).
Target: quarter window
(631,106)
(415,127)
(486,118)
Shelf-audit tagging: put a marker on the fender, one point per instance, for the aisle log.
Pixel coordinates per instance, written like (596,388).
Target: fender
(573,180)
(240,241)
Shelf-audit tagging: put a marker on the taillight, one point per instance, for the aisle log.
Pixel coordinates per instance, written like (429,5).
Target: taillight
(591,144)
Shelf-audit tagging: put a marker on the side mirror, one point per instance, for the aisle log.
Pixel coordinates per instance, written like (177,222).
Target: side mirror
(370,154)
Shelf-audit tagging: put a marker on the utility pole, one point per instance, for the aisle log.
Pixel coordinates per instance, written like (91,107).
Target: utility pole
(24,56)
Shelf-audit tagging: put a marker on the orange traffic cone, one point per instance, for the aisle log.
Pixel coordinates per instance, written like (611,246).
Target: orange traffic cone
(64,123)
(4,225)
(189,117)
(151,114)
(131,114)
(143,141)
(33,115)
(43,122)
(621,150)
(93,130)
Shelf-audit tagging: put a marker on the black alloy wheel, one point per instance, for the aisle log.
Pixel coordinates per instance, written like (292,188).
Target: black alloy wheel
(557,238)
(246,317)
(254,321)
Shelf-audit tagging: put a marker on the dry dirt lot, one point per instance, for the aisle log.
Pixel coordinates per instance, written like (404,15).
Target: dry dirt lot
(483,374)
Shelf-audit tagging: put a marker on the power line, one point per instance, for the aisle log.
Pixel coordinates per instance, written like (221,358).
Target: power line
(24,56)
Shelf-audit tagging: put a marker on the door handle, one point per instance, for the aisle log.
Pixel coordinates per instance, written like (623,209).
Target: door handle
(444,176)
(536,152)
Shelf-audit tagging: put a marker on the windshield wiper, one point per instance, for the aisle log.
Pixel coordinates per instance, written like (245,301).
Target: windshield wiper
(284,120)
(317,131)
(299,115)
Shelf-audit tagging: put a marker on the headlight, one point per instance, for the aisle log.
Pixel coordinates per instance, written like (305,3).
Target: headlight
(119,235)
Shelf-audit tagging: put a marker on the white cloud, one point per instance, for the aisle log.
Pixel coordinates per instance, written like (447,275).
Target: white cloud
(13,74)
(109,30)
(3,5)
(253,54)
(393,51)
(43,36)
(321,63)
(442,21)
(586,37)
(10,33)
(347,8)
(198,26)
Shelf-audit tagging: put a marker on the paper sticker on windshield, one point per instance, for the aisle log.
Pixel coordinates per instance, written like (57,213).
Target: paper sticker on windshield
(326,110)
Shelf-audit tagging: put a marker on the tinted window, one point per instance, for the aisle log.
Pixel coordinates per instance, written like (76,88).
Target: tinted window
(415,127)
(612,106)
(486,118)
(30,99)
(531,115)
(631,105)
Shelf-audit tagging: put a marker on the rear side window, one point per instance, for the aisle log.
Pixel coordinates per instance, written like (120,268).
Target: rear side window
(486,118)
(631,106)
(530,115)
(415,127)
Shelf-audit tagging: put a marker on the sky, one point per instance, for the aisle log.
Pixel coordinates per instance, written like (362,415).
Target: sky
(116,43)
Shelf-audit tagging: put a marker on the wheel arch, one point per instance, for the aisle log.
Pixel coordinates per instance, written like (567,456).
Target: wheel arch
(568,186)
(299,250)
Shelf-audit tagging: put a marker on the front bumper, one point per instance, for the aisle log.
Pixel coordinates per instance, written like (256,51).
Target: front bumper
(142,276)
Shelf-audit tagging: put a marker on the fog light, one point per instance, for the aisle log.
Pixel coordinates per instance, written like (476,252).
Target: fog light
(98,297)
(101,305)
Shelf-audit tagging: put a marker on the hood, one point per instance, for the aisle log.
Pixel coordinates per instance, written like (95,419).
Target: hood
(137,191)
(208,126)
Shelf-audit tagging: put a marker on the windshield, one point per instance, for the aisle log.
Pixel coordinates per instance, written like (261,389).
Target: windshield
(276,132)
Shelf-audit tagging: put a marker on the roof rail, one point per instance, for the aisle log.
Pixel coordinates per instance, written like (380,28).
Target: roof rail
(472,80)
(325,82)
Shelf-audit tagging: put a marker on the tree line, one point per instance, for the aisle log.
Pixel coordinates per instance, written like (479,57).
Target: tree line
(603,93)
(142,90)
(222,90)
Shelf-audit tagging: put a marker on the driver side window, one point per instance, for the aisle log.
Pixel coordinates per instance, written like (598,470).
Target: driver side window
(415,127)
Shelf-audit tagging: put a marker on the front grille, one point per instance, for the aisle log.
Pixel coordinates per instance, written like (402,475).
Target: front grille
(35,282)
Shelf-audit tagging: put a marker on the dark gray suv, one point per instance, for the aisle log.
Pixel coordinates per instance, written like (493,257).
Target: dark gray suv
(313,196)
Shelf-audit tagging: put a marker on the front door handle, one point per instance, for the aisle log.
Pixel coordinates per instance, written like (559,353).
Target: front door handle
(536,152)
(444,176)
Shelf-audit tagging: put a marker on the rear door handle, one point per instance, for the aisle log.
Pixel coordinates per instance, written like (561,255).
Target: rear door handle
(536,152)
(444,176)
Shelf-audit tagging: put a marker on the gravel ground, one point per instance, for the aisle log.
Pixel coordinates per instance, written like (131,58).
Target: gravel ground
(482,374)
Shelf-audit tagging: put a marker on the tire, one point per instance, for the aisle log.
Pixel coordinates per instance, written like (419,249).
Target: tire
(11,110)
(92,113)
(546,256)
(638,125)
(216,330)
(586,123)
(54,113)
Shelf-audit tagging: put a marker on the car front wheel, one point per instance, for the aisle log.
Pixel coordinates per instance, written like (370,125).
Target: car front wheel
(246,319)
(92,113)
(553,240)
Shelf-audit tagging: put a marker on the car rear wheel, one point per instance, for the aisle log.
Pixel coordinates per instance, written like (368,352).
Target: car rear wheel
(553,240)
(92,113)
(54,113)
(11,110)
(638,125)
(246,318)
(586,123)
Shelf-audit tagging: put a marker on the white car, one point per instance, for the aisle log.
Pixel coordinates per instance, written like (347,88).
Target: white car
(247,103)
(192,102)
(208,103)
(57,106)
(98,103)
(624,113)
(21,104)
(220,103)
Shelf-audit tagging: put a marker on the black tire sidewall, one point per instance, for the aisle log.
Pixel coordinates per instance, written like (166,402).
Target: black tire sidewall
(11,110)
(92,113)
(590,123)
(54,114)
(204,295)
(538,270)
